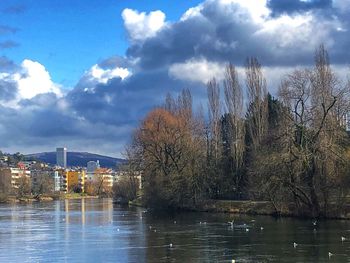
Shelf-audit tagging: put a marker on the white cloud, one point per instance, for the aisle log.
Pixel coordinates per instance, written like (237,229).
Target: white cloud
(197,70)
(140,25)
(257,9)
(31,79)
(192,12)
(303,31)
(104,75)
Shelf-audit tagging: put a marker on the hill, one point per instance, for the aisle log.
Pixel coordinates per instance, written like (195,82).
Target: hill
(78,159)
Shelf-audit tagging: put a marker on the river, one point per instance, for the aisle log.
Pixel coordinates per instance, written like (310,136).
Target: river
(95,230)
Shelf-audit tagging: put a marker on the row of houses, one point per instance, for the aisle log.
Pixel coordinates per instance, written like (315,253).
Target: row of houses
(62,179)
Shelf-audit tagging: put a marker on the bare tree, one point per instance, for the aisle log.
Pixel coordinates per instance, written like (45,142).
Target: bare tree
(316,102)
(214,108)
(257,102)
(234,106)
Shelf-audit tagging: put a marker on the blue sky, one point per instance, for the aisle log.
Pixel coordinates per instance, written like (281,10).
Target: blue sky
(69,36)
(83,73)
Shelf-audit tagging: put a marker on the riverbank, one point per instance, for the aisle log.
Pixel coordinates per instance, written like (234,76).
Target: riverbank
(44,198)
(262,208)
(248,207)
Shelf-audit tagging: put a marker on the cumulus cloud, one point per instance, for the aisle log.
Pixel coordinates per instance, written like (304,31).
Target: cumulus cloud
(199,70)
(33,80)
(104,75)
(141,26)
(231,30)
(114,95)
(30,80)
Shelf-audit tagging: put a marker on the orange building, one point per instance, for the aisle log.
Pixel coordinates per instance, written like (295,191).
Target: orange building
(72,180)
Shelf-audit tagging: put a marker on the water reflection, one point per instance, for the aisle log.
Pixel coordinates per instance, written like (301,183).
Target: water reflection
(93,230)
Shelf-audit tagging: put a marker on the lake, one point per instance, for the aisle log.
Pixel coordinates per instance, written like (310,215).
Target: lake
(96,230)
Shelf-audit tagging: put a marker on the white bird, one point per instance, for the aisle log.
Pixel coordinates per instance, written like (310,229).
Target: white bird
(231,222)
(118,229)
(295,245)
(330,254)
(174,222)
(261,228)
(170,245)
(343,239)
(314,223)
(247,230)
(233,261)
(150,227)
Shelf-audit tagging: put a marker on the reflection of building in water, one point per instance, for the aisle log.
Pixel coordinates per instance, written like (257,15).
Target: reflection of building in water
(57,216)
(83,211)
(66,209)
(107,207)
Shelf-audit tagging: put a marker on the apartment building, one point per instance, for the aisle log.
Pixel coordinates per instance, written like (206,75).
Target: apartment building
(72,180)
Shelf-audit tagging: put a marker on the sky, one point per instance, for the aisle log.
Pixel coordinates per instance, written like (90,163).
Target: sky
(82,74)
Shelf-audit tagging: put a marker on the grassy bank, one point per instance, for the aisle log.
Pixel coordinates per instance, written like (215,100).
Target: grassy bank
(261,208)
(42,198)
(236,207)
(249,207)
(77,196)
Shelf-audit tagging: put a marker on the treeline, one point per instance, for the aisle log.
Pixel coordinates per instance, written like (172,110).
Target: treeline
(292,150)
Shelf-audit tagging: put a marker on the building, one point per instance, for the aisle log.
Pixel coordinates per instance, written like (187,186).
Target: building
(42,180)
(13,175)
(27,164)
(104,176)
(61,157)
(73,180)
(91,168)
(121,175)
(57,181)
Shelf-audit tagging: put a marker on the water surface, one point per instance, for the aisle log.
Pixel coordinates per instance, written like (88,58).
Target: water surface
(95,230)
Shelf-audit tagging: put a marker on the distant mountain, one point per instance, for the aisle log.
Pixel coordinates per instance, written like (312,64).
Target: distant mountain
(78,159)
